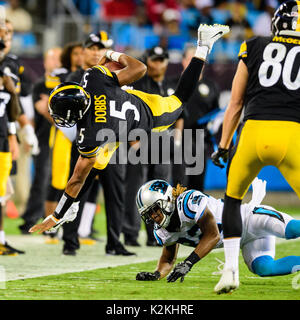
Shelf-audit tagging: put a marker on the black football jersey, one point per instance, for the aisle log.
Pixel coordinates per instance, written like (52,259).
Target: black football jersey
(4,109)
(273,88)
(111,108)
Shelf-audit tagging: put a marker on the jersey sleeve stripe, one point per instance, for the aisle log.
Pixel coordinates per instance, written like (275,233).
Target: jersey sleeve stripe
(158,239)
(103,70)
(243,50)
(89,154)
(186,210)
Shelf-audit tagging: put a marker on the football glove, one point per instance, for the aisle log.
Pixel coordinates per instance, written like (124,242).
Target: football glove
(31,138)
(180,270)
(148,276)
(69,216)
(209,34)
(218,155)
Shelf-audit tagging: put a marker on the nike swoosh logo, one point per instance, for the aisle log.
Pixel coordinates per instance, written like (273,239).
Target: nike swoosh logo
(220,32)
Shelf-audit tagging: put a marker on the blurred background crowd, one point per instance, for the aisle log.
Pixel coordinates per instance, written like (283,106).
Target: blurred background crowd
(53,34)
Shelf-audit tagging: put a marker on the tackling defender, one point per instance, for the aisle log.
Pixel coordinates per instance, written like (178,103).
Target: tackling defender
(194,219)
(100,103)
(267,82)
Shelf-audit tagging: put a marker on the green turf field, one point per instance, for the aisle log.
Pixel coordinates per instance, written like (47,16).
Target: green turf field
(118,283)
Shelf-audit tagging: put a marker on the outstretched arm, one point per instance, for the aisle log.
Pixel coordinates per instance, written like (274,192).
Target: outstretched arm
(74,185)
(232,114)
(235,107)
(209,239)
(164,266)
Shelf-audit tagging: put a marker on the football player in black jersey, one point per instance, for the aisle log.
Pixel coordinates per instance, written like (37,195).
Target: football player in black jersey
(267,83)
(99,103)
(9,111)
(12,67)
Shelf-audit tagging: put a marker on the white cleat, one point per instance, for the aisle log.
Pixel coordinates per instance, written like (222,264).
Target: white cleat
(228,282)
(209,34)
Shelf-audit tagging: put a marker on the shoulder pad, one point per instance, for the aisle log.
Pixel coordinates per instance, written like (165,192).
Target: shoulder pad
(193,204)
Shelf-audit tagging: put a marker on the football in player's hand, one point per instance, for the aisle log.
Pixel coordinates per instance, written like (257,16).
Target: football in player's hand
(113,66)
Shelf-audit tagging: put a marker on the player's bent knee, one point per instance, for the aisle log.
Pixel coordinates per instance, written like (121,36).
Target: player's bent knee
(263,266)
(292,229)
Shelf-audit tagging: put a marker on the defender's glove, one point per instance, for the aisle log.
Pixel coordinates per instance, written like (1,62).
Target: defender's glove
(31,138)
(180,270)
(148,276)
(218,155)
(69,216)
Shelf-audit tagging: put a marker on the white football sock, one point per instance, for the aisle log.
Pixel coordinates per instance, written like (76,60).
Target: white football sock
(86,220)
(232,250)
(2,237)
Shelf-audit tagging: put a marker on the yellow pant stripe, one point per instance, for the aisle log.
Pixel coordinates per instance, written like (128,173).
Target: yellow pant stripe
(104,155)
(61,157)
(5,167)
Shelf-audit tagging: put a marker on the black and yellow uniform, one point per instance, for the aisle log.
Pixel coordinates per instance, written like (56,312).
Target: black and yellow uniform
(111,106)
(137,174)
(5,154)
(59,144)
(35,205)
(271,131)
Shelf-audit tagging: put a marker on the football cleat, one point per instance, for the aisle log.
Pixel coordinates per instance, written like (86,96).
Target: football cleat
(228,282)
(209,34)
(7,250)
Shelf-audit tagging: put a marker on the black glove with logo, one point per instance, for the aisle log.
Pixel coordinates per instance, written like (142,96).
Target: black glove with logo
(218,155)
(148,276)
(180,270)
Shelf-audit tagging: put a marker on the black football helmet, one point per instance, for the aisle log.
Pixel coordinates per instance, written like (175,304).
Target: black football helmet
(286,19)
(68,102)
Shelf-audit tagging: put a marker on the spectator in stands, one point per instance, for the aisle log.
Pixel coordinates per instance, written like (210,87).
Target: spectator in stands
(264,19)
(240,28)
(117,9)
(156,8)
(18,16)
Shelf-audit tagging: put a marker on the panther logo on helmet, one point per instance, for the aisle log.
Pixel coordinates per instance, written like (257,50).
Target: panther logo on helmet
(154,195)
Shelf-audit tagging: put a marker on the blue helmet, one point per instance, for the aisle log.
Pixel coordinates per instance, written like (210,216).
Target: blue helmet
(152,195)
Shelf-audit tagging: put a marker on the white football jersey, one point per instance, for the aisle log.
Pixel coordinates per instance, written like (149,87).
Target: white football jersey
(190,207)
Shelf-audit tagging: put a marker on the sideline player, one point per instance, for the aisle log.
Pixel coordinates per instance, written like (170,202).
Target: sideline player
(267,82)
(9,112)
(94,107)
(192,218)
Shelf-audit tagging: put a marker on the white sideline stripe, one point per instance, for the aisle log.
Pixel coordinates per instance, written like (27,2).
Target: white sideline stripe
(43,259)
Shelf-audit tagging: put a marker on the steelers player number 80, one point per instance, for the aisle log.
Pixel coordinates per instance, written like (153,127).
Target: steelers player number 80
(277,62)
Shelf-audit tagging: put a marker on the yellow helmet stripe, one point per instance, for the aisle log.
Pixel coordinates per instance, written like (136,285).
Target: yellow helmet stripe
(104,36)
(70,86)
(298,21)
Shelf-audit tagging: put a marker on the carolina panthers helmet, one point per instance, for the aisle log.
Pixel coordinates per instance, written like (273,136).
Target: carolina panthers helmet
(68,102)
(286,19)
(153,195)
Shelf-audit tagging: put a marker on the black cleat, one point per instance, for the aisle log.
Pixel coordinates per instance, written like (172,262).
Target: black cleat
(69,252)
(119,252)
(7,250)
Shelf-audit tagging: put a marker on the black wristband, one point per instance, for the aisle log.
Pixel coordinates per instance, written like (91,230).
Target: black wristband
(157,274)
(193,258)
(64,204)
